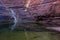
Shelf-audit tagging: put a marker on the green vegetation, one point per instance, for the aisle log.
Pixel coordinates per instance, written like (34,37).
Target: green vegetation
(12,36)
(42,36)
(26,35)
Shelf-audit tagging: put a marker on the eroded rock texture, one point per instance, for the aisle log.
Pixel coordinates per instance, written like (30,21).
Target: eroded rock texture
(36,7)
(5,16)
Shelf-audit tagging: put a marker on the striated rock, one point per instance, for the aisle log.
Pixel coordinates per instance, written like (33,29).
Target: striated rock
(5,17)
(36,8)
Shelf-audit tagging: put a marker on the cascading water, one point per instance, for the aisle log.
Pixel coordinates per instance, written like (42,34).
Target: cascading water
(13,14)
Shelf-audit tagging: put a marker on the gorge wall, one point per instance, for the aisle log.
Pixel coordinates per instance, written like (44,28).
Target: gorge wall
(36,7)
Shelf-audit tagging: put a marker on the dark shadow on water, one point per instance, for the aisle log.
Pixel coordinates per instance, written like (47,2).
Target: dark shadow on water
(5,27)
(35,30)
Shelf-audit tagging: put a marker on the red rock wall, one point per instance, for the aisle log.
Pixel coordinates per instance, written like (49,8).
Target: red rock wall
(36,7)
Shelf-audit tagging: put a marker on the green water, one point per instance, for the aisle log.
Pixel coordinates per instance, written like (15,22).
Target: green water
(28,35)
(6,34)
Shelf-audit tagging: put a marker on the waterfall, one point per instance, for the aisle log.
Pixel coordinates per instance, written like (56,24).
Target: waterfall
(13,14)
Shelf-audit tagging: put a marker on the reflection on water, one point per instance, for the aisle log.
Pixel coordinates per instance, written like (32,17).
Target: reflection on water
(5,27)
(17,35)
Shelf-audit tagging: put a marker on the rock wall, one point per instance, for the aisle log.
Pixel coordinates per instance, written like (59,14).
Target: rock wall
(36,7)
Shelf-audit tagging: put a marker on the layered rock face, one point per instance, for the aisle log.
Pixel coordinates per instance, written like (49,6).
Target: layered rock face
(26,10)
(5,16)
(35,8)
(38,7)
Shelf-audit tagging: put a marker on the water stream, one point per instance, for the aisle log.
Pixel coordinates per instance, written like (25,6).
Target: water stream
(13,14)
